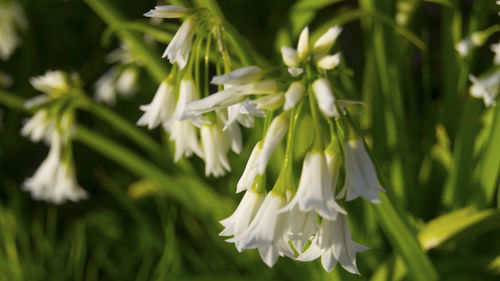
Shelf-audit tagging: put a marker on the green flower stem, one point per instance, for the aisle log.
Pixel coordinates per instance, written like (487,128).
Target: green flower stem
(191,192)
(318,142)
(212,6)
(148,55)
(12,101)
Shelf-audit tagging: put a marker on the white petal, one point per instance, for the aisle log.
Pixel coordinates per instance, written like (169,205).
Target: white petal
(167,11)
(178,49)
(324,97)
(239,76)
(274,135)
(294,94)
(303,45)
(327,40)
(328,62)
(250,171)
(290,56)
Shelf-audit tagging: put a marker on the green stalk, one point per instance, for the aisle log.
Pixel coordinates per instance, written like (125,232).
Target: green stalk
(148,55)
(192,193)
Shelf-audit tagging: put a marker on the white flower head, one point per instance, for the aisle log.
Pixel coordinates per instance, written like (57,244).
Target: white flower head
(250,171)
(105,88)
(303,44)
(167,11)
(51,81)
(325,98)
(290,56)
(328,62)
(326,41)
(238,222)
(215,147)
(274,135)
(361,176)
(268,231)
(334,244)
(294,94)
(11,21)
(316,189)
(495,48)
(39,127)
(66,187)
(161,108)
(178,49)
(239,76)
(485,88)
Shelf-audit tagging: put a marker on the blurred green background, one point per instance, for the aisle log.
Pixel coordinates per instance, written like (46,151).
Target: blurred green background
(439,149)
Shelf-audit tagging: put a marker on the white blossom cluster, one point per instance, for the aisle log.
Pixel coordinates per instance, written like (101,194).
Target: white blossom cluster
(55,180)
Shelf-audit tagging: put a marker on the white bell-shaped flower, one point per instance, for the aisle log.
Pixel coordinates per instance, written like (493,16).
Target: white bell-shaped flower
(268,231)
(39,127)
(66,186)
(302,226)
(238,222)
(361,176)
(274,135)
(51,81)
(250,171)
(334,244)
(485,88)
(161,108)
(316,189)
(178,49)
(215,148)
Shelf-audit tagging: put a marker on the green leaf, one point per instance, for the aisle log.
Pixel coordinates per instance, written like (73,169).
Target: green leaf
(461,222)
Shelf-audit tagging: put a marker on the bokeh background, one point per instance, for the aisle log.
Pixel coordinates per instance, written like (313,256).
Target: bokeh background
(428,135)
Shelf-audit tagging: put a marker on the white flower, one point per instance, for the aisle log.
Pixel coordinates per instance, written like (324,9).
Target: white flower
(293,94)
(238,222)
(183,133)
(334,244)
(361,176)
(295,71)
(179,47)
(215,147)
(66,187)
(324,97)
(302,226)
(316,190)
(167,11)
(11,21)
(126,83)
(234,137)
(44,179)
(303,44)
(495,48)
(250,171)
(239,76)
(161,109)
(328,62)
(290,56)
(268,231)
(51,81)
(274,135)
(467,44)
(105,89)
(39,127)
(326,41)
(485,88)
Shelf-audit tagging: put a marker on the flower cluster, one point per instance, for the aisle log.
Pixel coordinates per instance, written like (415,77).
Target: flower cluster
(11,21)
(210,136)
(121,79)
(284,220)
(54,181)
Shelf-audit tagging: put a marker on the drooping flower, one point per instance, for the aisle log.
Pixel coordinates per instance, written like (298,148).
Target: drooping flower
(39,127)
(268,231)
(215,147)
(243,113)
(274,135)
(485,88)
(161,109)
(325,98)
(66,187)
(361,176)
(250,171)
(495,48)
(334,244)
(316,189)
(238,222)
(178,49)
(11,21)
(51,81)
(239,76)
(302,227)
